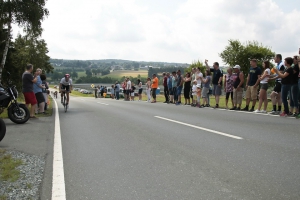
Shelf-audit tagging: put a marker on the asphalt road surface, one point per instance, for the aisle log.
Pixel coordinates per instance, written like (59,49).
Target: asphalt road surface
(137,150)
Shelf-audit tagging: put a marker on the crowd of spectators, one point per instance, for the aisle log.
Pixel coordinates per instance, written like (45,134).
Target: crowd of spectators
(197,88)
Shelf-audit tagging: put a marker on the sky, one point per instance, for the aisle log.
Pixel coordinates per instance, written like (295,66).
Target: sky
(166,30)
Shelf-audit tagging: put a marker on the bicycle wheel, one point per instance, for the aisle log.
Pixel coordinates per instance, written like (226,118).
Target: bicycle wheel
(65,103)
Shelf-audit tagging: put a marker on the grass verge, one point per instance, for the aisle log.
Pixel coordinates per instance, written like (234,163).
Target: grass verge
(8,165)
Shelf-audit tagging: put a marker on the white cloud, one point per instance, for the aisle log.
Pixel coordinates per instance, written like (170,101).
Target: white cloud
(173,31)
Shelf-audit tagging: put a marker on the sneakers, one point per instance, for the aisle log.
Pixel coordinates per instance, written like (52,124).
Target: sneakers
(257,111)
(273,112)
(178,103)
(216,106)
(251,110)
(263,111)
(234,108)
(245,109)
(238,108)
(283,114)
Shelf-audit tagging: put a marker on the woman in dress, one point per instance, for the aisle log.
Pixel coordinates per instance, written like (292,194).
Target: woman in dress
(187,88)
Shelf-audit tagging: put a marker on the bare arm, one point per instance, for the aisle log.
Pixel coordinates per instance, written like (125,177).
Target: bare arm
(247,80)
(257,82)
(241,76)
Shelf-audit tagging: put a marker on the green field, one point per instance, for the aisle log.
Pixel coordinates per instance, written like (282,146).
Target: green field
(118,74)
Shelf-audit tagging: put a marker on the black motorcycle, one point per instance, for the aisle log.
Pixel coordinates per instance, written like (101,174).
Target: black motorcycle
(18,113)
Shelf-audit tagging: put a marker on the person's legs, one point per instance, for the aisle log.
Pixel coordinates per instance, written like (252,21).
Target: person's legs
(261,98)
(294,96)
(284,93)
(226,99)
(234,100)
(239,98)
(254,96)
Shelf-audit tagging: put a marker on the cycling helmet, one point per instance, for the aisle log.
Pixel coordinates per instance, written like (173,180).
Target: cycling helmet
(67,75)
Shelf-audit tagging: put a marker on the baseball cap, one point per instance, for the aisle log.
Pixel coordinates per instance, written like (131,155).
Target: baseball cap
(237,67)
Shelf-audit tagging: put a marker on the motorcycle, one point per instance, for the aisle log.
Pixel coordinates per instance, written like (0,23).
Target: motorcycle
(2,129)
(18,113)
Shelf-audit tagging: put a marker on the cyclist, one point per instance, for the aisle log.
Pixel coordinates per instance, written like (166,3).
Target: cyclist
(65,84)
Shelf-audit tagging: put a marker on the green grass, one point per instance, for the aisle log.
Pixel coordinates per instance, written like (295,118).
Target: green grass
(4,114)
(79,94)
(118,74)
(222,104)
(8,165)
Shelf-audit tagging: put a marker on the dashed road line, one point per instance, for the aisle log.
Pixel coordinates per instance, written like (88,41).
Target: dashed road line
(202,128)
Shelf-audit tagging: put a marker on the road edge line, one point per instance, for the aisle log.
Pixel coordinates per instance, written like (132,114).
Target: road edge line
(201,128)
(58,178)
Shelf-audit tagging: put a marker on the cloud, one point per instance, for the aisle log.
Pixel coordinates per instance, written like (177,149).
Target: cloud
(172,31)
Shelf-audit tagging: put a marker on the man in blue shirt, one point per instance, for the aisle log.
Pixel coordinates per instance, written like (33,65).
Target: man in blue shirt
(38,91)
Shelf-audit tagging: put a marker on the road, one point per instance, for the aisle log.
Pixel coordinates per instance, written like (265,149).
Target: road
(137,150)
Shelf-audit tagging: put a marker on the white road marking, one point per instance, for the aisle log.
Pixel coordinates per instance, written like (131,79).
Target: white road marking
(58,179)
(103,103)
(201,128)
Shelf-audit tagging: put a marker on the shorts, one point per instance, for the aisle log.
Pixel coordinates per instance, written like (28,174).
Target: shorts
(30,98)
(277,87)
(140,90)
(171,91)
(229,94)
(217,90)
(179,90)
(251,92)
(264,86)
(237,96)
(65,87)
(205,92)
(39,97)
(128,92)
(132,94)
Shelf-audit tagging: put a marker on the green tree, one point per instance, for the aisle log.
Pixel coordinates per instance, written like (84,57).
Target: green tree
(25,13)
(74,75)
(237,53)
(196,64)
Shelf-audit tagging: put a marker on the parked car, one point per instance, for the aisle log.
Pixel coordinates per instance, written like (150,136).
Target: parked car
(86,92)
(76,89)
(121,94)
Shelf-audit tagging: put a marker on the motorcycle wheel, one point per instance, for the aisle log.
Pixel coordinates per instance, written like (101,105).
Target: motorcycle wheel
(18,116)
(2,129)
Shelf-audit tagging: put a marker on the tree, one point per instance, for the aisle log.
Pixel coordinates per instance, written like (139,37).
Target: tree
(238,54)
(25,13)
(88,72)
(196,64)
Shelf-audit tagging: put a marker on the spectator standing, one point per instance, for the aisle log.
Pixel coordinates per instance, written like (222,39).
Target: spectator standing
(104,92)
(174,86)
(124,89)
(238,87)
(264,88)
(38,91)
(96,91)
(117,89)
(205,90)
(128,88)
(45,90)
(140,92)
(27,88)
(193,77)
(217,81)
(187,88)
(286,82)
(170,88)
(228,86)
(252,85)
(294,89)
(276,93)
(179,86)
(154,87)
(148,89)
(165,84)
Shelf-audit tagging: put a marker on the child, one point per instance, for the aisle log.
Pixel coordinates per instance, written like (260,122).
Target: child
(112,93)
(194,93)
(198,95)
(132,92)
(104,92)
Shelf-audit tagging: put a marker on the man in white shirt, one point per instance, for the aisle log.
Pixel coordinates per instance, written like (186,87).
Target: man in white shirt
(128,88)
(198,76)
